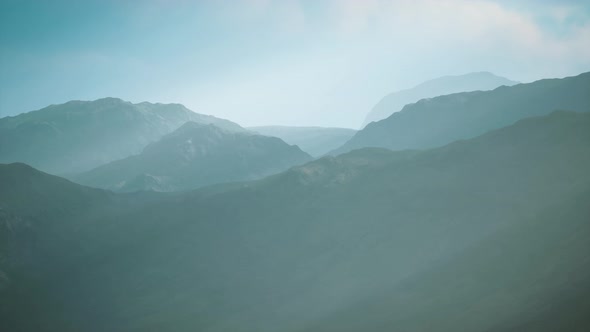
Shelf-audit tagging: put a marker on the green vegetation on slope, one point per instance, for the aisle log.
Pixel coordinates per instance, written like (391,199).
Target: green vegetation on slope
(317,244)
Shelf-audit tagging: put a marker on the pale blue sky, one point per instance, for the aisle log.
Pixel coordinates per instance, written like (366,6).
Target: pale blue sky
(286,62)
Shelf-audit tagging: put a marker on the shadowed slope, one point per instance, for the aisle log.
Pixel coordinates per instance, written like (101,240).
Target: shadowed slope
(419,235)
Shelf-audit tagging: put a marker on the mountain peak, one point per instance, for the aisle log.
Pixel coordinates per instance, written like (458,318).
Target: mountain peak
(80,135)
(112,100)
(196,155)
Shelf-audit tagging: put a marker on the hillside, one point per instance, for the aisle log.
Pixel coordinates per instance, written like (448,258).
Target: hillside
(482,234)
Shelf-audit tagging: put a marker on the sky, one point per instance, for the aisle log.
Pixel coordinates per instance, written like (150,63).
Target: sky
(276,62)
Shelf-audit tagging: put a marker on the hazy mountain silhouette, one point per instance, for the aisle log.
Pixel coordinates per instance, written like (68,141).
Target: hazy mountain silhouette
(316,141)
(80,135)
(445,85)
(196,155)
(441,120)
(478,235)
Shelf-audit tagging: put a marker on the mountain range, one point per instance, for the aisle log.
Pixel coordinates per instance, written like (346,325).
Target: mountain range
(483,234)
(193,156)
(445,85)
(317,141)
(80,135)
(441,120)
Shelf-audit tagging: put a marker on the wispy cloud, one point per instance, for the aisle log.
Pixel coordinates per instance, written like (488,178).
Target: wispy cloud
(487,25)
(304,62)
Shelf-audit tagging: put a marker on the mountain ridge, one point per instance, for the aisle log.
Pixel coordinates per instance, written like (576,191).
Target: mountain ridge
(79,135)
(440,120)
(314,241)
(196,155)
(443,85)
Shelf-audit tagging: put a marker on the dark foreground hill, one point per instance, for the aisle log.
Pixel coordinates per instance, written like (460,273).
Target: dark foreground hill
(80,135)
(487,234)
(196,155)
(317,141)
(445,85)
(441,120)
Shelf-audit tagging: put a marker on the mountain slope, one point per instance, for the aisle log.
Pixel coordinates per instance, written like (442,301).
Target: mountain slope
(441,120)
(80,135)
(531,276)
(193,156)
(445,85)
(322,242)
(316,141)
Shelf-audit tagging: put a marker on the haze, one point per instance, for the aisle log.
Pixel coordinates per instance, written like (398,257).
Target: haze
(294,166)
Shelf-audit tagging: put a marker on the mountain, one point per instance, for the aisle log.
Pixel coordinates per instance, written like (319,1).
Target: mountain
(441,120)
(80,135)
(530,277)
(317,141)
(445,85)
(193,156)
(485,234)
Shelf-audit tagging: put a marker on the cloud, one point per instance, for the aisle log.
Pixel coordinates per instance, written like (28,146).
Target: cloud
(291,16)
(450,20)
(550,31)
(322,62)
(358,51)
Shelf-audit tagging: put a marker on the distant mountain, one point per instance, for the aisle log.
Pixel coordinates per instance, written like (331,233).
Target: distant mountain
(316,141)
(80,135)
(445,85)
(193,156)
(441,120)
(485,234)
